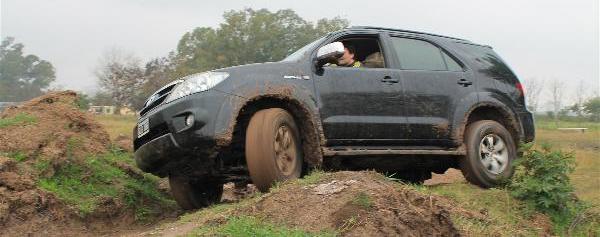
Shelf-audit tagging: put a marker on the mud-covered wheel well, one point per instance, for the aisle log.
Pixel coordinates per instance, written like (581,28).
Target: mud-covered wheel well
(302,117)
(498,115)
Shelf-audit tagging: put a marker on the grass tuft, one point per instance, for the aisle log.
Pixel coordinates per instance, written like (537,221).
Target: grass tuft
(251,226)
(362,199)
(17,156)
(19,119)
(313,177)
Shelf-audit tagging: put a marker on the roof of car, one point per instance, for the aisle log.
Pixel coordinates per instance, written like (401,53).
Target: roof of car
(406,31)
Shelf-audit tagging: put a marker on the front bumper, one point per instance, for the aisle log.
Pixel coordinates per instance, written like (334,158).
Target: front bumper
(171,146)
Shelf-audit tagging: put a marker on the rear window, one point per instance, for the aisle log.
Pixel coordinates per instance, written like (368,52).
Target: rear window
(421,55)
(418,55)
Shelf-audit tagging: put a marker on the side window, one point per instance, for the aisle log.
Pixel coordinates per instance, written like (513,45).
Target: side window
(451,63)
(421,55)
(366,50)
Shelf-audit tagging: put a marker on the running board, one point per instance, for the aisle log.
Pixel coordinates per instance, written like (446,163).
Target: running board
(349,151)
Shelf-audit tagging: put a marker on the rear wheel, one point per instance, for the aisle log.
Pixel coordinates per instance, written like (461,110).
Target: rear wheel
(490,153)
(273,149)
(191,194)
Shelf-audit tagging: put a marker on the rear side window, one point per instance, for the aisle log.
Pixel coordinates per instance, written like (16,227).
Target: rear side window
(422,55)
(451,63)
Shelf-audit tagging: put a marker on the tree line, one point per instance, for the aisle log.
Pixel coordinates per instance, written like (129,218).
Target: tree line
(584,101)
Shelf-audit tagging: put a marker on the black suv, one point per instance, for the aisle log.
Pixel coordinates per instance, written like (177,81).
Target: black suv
(420,103)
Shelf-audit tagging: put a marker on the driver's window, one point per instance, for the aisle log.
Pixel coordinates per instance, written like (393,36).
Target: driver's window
(366,51)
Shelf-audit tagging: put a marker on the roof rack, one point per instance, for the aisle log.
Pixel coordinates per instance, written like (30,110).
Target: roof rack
(407,31)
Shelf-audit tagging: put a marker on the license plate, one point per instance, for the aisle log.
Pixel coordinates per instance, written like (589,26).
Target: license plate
(143,127)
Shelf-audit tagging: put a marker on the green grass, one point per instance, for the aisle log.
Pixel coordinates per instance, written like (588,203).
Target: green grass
(543,122)
(363,200)
(19,119)
(41,165)
(83,184)
(315,176)
(504,212)
(251,226)
(17,156)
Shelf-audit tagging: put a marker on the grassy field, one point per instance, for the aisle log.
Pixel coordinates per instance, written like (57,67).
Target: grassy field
(545,123)
(117,125)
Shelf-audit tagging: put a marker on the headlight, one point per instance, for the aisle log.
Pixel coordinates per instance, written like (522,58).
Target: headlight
(196,83)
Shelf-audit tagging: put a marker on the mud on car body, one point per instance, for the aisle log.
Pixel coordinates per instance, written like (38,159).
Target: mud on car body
(423,103)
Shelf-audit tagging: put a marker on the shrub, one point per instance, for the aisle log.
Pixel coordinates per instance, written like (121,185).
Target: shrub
(542,180)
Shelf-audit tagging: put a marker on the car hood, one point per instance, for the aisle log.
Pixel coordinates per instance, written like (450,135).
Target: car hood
(269,70)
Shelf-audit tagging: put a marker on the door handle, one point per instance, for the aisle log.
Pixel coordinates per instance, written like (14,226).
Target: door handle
(389,79)
(464,82)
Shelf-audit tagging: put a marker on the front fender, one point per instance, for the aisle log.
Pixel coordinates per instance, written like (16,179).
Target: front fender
(297,94)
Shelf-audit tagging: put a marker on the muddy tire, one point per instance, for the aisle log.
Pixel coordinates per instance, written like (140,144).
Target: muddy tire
(194,194)
(273,148)
(490,154)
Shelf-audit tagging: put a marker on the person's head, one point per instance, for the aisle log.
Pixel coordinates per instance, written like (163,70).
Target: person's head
(348,57)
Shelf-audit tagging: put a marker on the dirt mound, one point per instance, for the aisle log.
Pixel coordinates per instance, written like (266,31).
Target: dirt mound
(450,176)
(359,204)
(347,203)
(47,125)
(59,175)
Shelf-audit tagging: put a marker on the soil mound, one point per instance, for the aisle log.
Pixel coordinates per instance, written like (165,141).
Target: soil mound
(53,161)
(47,125)
(359,204)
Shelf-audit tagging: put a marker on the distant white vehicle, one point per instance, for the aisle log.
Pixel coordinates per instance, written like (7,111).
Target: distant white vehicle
(102,109)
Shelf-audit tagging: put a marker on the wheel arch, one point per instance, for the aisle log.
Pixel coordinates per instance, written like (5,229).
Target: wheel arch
(303,114)
(491,111)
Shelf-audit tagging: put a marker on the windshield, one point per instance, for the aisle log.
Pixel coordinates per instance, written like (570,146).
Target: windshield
(302,51)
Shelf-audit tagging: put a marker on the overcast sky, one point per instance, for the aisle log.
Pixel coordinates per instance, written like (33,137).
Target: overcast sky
(543,39)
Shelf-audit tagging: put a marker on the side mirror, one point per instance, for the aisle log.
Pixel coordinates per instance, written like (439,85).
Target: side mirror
(329,52)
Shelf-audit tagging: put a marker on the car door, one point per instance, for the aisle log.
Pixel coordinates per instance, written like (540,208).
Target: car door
(434,83)
(361,106)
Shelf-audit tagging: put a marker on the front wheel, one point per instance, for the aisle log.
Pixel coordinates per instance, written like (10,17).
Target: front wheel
(490,154)
(190,194)
(273,149)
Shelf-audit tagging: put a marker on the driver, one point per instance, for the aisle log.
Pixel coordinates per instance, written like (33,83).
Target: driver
(348,59)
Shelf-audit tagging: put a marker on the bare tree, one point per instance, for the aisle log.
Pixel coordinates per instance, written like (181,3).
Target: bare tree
(579,97)
(120,74)
(533,89)
(556,91)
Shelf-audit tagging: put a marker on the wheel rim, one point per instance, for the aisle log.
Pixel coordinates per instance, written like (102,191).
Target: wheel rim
(493,153)
(285,150)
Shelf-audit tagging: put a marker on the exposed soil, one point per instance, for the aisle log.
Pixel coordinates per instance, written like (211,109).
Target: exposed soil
(124,143)
(359,204)
(450,176)
(57,120)
(354,203)
(58,133)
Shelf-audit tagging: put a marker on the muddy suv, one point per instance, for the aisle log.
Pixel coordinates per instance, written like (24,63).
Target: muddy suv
(420,103)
